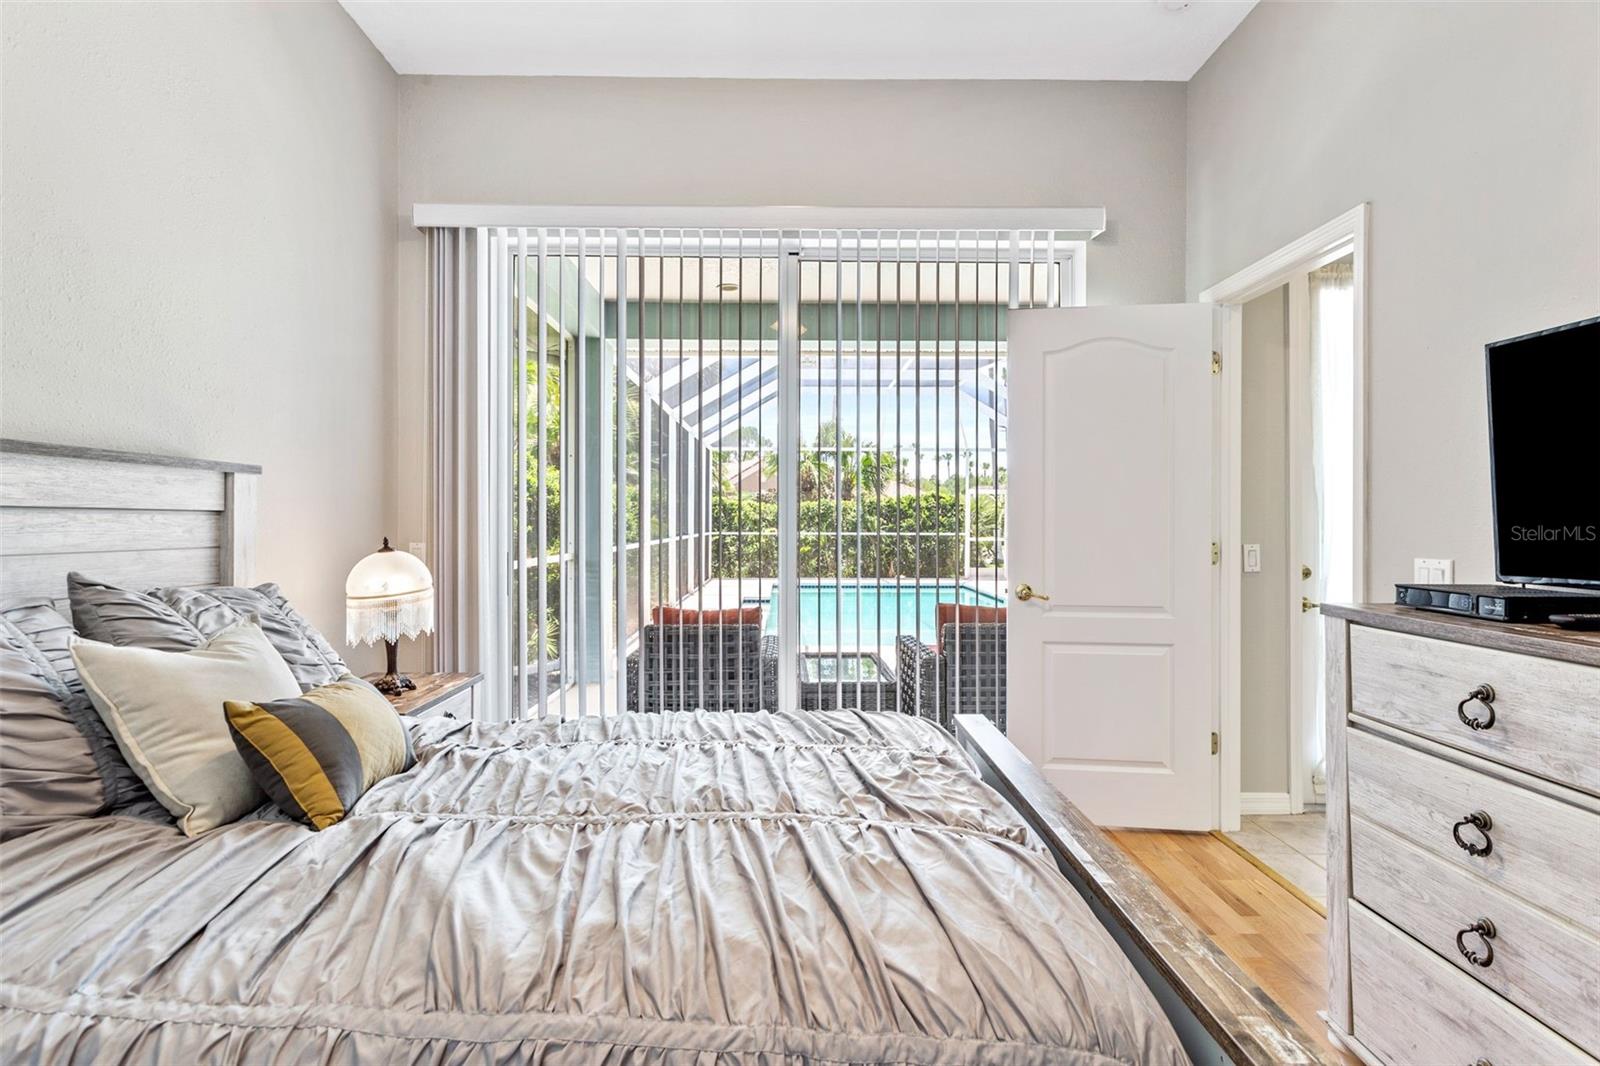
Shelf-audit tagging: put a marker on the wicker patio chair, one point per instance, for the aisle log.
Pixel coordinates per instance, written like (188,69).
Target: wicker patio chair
(967,677)
(704,667)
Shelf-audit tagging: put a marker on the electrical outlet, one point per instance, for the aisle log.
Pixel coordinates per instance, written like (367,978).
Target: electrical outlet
(1252,558)
(419,549)
(1433,571)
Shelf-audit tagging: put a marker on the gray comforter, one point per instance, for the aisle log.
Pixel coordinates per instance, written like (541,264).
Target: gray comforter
(700,888)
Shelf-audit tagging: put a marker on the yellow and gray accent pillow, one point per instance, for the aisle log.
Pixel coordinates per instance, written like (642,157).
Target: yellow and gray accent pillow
(315,755)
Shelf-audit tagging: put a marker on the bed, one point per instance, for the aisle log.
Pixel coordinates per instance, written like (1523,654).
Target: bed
(690,887)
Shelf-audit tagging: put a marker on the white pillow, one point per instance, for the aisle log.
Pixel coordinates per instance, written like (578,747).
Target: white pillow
(165,710)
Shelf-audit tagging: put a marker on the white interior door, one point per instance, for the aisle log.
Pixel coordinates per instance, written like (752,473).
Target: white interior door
(1111,678)
(1306,570)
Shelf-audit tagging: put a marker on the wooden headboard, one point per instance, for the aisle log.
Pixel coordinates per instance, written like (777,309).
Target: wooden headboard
(121,517)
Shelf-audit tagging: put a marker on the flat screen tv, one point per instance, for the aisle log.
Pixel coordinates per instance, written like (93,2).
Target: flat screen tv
(1544,455)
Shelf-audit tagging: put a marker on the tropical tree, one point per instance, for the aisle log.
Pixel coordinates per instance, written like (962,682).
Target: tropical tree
(830,436)
(542,425)
(548,635)
(877,471)
(829,462)
(723,461)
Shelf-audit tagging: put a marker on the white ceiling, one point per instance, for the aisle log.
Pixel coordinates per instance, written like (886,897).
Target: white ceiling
(1119,40)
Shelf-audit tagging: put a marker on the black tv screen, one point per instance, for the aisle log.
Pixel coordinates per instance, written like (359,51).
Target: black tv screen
(1544,454)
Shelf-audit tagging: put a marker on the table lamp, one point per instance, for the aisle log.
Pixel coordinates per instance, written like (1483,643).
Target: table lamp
(389,594)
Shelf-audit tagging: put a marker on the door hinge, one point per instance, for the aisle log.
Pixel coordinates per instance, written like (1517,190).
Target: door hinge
(1216,743)
(1216,362)
(1216,553)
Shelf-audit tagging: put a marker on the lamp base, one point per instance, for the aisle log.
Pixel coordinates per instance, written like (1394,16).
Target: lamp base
(393,682)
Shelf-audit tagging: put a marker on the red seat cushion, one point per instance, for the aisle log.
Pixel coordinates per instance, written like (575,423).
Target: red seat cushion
(731,616)
(966,613)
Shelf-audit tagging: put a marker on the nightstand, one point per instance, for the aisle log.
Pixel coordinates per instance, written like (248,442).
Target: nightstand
(447,695)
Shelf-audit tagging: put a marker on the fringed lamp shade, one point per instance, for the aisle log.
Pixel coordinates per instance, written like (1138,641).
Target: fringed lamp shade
(388,595)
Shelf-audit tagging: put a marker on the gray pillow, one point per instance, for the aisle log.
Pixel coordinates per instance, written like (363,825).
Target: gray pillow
(180,619)
(311,659)
(57,760)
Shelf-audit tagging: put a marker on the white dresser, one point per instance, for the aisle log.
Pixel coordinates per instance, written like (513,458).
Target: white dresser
(1463,839)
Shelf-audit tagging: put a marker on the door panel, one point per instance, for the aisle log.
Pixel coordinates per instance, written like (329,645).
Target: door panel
(1110,511)
(1103,678)
(1110,412)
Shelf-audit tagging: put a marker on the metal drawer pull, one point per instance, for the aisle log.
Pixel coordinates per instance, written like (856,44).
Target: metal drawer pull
(1485,930)
(1483,695)
(1480,821)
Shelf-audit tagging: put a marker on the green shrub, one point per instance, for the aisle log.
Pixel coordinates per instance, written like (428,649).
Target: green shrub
(744,537)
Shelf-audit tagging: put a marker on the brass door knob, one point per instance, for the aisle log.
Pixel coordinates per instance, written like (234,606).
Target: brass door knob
(1025,593)
(1307,605)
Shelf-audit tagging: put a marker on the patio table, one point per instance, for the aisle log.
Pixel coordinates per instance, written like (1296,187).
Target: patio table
(844,680)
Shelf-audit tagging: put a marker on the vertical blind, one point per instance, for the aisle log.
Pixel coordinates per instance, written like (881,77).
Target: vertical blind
(746,466)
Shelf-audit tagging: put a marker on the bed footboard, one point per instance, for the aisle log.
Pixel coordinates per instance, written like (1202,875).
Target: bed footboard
(1221,1016)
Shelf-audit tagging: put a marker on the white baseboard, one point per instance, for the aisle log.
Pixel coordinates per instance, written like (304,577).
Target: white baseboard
(1263,803)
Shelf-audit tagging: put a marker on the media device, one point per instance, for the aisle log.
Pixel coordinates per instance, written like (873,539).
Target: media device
(1544,455)
(1576,621)
(1502,603)
(1544,477)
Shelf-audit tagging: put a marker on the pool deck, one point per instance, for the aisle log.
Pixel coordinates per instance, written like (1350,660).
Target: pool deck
(720,593)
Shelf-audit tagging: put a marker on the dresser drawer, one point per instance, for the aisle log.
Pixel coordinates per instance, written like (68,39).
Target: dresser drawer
(1546,712)
(1410,1006)
(1542,850)
(1545,966)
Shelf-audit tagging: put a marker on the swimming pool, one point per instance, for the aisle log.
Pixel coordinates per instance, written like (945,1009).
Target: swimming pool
(870,615)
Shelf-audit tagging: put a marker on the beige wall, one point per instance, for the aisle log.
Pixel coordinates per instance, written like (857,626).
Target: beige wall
(206,208)
(833,143)
(875,143)
(1474,131)
(1264,496)
(199,254)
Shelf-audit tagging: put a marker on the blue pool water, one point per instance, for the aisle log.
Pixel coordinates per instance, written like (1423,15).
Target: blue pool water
(873,613)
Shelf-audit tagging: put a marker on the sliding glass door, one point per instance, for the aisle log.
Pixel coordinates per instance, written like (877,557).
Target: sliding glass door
(762,469)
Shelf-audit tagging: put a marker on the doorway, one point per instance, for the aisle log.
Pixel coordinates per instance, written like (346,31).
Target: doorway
(1295,520)
(753,469)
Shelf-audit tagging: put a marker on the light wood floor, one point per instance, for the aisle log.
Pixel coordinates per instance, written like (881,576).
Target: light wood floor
(1272,935)
(1295,846)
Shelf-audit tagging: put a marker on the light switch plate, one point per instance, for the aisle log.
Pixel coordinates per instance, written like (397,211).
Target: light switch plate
(419,549)
(1433,571)
(1252,558)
